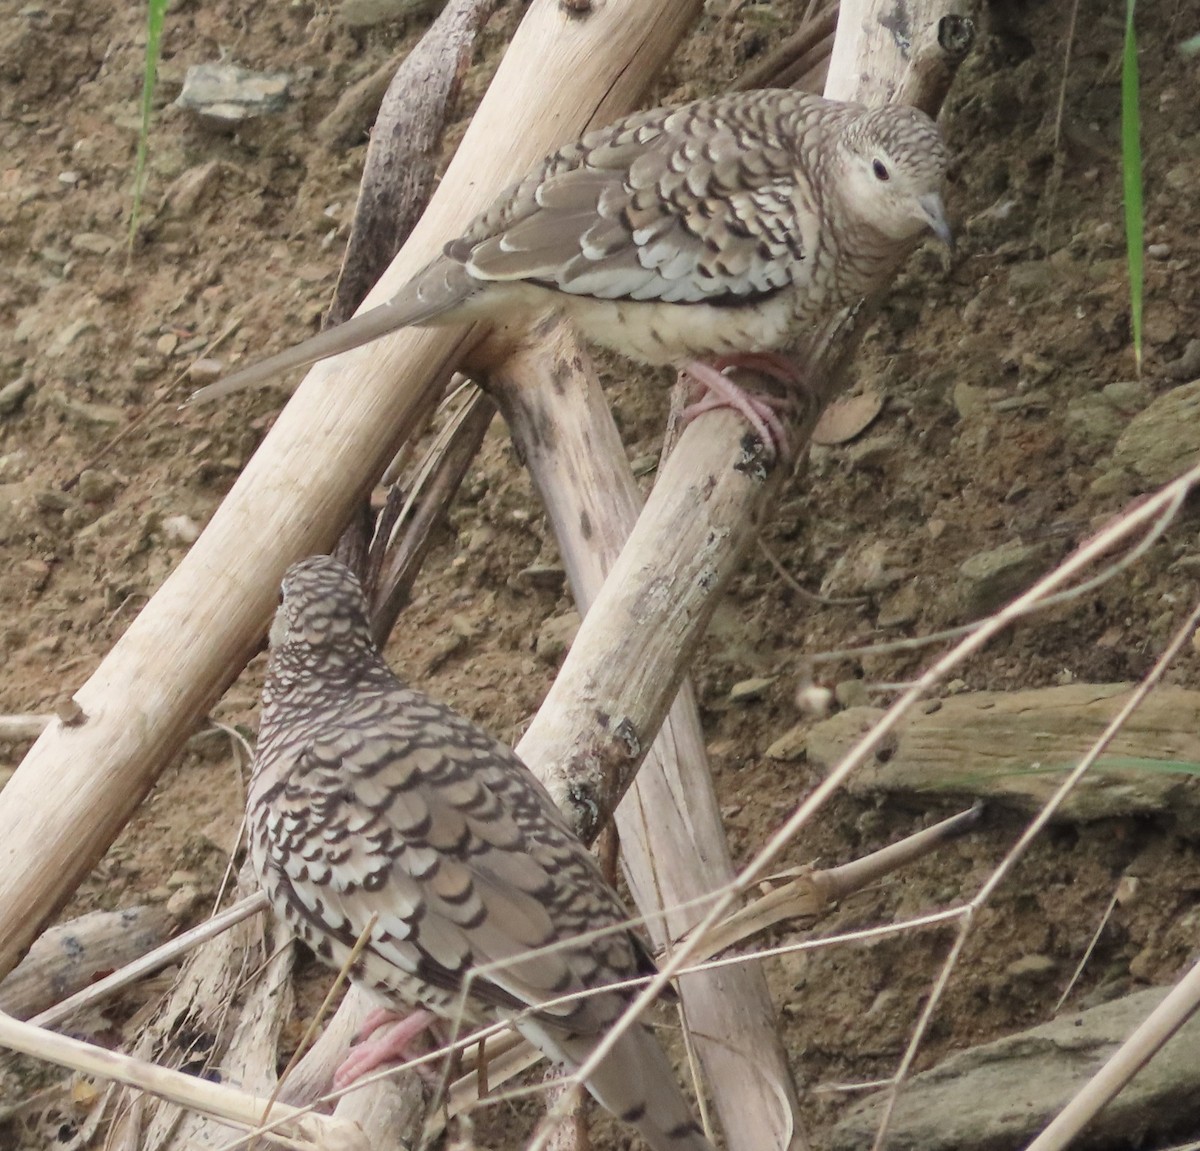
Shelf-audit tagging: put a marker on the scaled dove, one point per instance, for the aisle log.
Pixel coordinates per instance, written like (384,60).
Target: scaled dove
(706,236)
(370,797)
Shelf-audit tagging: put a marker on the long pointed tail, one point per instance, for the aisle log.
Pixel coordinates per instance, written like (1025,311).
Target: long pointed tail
(636,1082)
(436,292)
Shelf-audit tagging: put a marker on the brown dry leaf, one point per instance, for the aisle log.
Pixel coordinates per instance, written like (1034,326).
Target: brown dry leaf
(844,419)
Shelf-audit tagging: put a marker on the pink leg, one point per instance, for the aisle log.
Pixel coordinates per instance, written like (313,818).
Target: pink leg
(759,411)
(372,1051)
(771,364)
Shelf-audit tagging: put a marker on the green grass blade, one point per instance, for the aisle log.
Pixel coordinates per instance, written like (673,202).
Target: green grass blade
(156,11)
(1131,167)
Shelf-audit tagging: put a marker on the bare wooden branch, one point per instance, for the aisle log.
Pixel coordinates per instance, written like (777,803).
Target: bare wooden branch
(148,963)
(17,728)
(908,54)
(796,57)
(244,1110)
(672,842)
(394,562)
(70,955)
(401,163)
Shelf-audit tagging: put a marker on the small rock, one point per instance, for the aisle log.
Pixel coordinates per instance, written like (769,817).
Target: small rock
(89,413)
(1031,968)
(14,466)
(1092,423)
(96,243)
(1115,482)
(181,529)
(846,418)
(1187,367)
(851,693)
(643,465)
(52,500)
(205,370)
(96,486)
(1181,178)
(748,690)
(548,576)
(789,746)
(874,453)
(188,191)
(1144,964)
(1163,440)
(901,609)
(1126,396)
(480,539)
(990,579)
(968,400)
(366,13)
(1033,279)
(183,879)
(68,335)
(14,395)
(227,94)
(166,344)
(182,902)
(350,121)
(1159,251)
(556,635)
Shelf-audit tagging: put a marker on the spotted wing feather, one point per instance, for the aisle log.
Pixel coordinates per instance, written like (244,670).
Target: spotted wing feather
(684,205)
(397,807)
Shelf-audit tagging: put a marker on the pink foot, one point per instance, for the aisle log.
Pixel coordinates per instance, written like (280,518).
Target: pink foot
(372,1051)
(760,412)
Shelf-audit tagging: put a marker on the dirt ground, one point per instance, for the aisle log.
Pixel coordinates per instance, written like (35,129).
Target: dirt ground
(990,367)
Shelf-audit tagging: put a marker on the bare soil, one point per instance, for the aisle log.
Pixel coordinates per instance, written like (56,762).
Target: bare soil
(985,365)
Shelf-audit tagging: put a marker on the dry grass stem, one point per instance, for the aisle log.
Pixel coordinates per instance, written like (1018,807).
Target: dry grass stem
(302,1131)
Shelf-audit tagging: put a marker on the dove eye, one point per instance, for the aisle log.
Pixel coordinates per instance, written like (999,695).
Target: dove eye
(880,170)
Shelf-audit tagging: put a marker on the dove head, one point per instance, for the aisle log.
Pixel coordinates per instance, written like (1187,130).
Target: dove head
(894,164)
(321,606)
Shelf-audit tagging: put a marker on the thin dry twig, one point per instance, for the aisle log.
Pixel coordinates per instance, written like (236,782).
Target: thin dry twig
(17,728)
(305,1131)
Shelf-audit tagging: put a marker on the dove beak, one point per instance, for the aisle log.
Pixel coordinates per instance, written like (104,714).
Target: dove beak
(935,217)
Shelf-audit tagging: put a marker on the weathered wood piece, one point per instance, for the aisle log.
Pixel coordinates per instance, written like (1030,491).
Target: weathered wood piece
(1015,747)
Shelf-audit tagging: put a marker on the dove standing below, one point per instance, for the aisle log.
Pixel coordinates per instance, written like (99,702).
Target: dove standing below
(368,797)
(720,230)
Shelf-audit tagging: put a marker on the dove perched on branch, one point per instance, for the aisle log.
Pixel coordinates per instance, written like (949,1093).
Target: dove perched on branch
(370,798)
(704,236)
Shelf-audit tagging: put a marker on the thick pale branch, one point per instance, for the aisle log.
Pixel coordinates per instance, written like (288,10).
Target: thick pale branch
(672,841)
